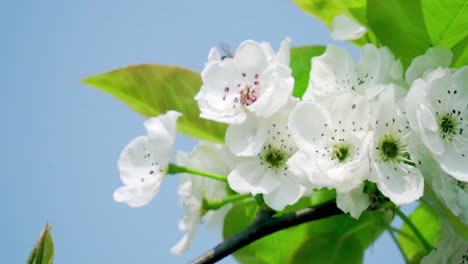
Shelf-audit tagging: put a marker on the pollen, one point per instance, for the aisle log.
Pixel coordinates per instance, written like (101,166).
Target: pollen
(248,95)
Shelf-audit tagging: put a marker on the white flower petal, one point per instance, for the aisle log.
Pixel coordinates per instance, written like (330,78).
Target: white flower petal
(450,249)
(214,220)
(376,63)
(433,58)
(354,202)
(208,157)
(246,176)
(136,195)
(429,130)
(191,226)
(214,55)
(273,98)
(288,194)
(374,90)
(344,28)
(250,57)
(283,55)
(403,185)
(329,68)
(351,111)
(300,164)
(416,96)
(384,111)
(269,52)
(143,162)
(142,169)
(308,123)
(453,162)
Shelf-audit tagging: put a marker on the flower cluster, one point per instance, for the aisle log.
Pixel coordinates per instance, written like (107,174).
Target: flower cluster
(364,129)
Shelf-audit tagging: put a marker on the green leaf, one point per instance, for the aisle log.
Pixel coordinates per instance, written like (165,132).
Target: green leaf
(43,251)
(317,249)
(446,21)
(357,9)
(319,197)
(427,221)
(326,10)
(460,54)
(152,90)
(281,247)
(301,65)
(399,24)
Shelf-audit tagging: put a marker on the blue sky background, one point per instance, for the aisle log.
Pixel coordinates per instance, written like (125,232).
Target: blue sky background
(62,138)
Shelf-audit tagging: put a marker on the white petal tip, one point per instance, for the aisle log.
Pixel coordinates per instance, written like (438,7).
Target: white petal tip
(344,28)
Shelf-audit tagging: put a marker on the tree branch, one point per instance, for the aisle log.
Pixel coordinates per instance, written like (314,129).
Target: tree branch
(263,225)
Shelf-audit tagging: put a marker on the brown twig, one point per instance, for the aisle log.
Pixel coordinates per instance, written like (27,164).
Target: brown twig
(263,225)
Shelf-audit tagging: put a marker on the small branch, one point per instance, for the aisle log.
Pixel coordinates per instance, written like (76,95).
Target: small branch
(265,224)
(394,238)
(174,169)
(215,204)
(415,230)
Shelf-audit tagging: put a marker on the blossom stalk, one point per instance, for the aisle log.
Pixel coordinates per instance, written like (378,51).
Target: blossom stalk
(175,169)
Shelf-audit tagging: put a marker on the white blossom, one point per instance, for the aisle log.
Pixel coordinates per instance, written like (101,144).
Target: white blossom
(335,71)
(252,81)
(208,157)
(354,201)
(391,170)
(451,249)
(143,162)
(334,148)
(344,28)
(433,58)
(437,111)
(333,143)
(452,192)
(265,171)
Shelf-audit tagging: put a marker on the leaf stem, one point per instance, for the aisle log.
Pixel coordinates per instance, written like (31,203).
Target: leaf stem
(415,230)
(392,235)
(174,169)
(218,203)
(402,233)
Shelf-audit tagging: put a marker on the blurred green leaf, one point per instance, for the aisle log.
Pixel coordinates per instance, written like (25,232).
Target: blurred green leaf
(43,251)
(301,65)
(446,21)
(399,25)
(357,9)
(326,10)
(427,221)
(319,197)
(317,249)
(152,90)
(460,54)
(281,247)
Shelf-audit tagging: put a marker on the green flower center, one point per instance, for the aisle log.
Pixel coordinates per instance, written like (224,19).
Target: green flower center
(341,151)
(447,125)
(274,157)
(389,148)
